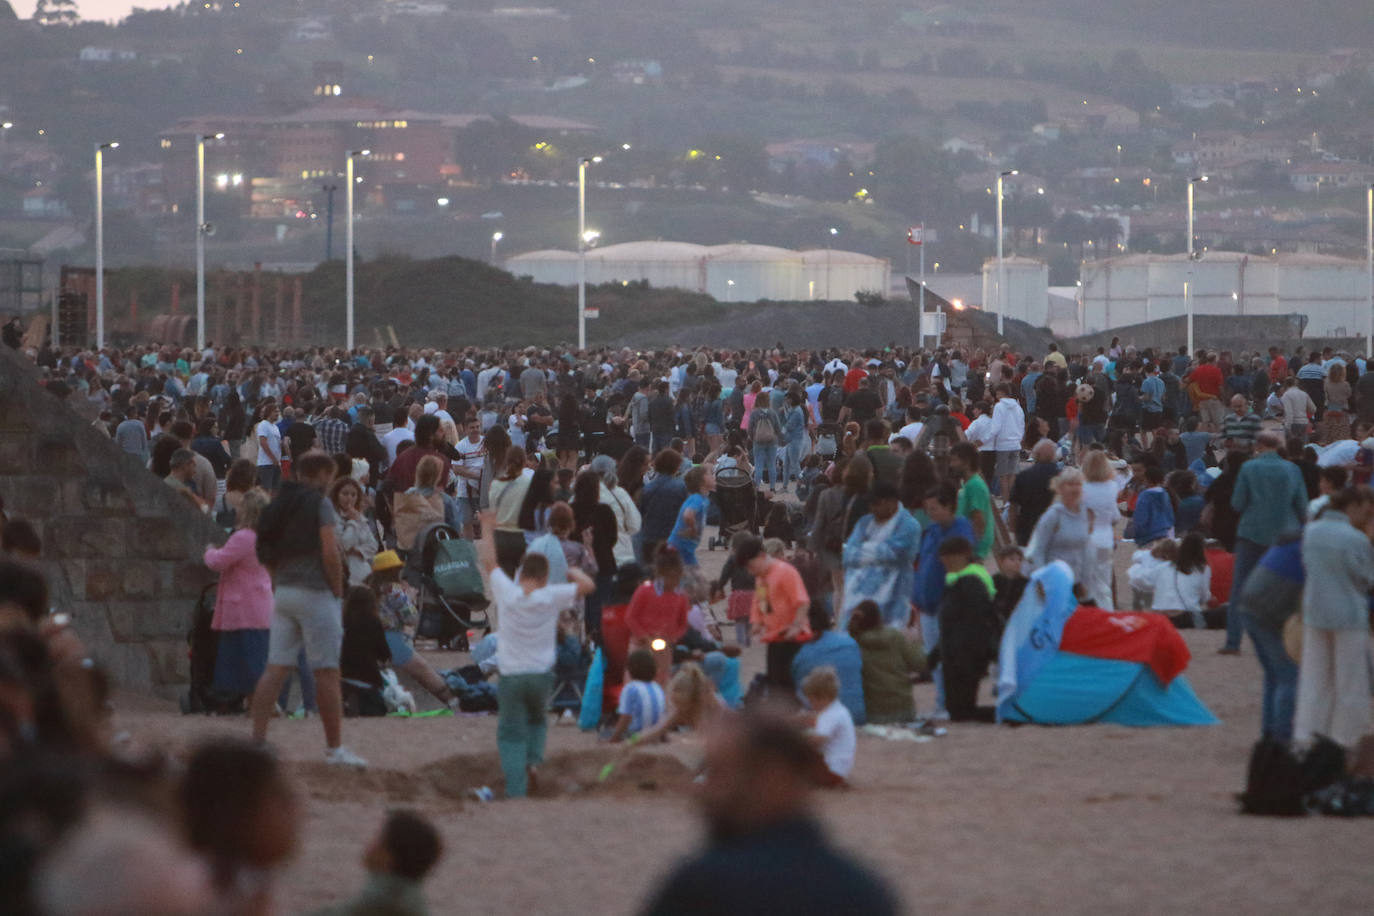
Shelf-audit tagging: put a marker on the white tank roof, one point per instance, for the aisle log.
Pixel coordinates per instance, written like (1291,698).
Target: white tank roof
(651,251)
(547,254)
(836,256)
(742,251)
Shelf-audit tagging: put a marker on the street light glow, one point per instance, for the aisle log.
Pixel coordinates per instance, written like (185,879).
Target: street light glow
(591,235)
(497,236)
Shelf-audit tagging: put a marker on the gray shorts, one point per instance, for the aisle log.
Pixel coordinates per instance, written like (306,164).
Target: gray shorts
(1007,463)
(305,618)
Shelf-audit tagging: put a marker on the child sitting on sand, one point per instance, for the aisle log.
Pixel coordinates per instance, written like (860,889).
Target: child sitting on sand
(397,860)
(831,724)
(642,702)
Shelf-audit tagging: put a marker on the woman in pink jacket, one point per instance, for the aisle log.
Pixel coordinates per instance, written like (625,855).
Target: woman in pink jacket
(243,603)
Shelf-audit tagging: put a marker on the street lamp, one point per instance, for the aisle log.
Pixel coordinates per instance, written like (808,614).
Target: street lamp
(348,240)
(1192,256)
(202,228)
(582,241)
(1369,270)
(495,237)
(828,244)
(100,240)
(1001,265)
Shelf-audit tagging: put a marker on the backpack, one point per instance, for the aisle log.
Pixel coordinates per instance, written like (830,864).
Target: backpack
(834,401)
(289,526)
(762,427)
(1274,783)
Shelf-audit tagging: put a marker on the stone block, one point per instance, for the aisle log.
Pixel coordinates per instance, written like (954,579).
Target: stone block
(92,622)
(169,662)
(88,536)
(123,617)
(158,537)
(35,496)
(100,495)
(15,454)
(128,664)
(102,579)
(140,579)
(58,455)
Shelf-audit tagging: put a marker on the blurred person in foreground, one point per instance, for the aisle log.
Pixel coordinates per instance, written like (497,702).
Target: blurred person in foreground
(766,852)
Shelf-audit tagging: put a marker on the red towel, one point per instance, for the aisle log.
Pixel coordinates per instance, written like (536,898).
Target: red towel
(1129,636)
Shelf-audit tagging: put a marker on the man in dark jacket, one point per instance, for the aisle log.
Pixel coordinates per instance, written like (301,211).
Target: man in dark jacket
(766,853)
(362,442)
(968,630)
(661,418)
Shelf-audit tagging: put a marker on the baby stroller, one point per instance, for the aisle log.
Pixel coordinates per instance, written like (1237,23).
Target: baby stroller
(203,644)
(571,663)
(451,598)
(737,499)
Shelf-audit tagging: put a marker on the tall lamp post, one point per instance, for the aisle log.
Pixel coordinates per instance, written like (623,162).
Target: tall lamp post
(495,237)
(1192,256)
(201,229)
(582,240)
(348,242)
(1001,265)
(1369,271)
(100,240)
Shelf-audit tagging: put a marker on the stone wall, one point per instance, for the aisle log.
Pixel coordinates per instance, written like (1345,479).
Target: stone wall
(122,552)
(1217,332)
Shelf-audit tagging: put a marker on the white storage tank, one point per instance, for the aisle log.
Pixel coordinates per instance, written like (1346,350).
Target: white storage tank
(679,265)
(1115,292)
(747,273)
(838,275)
(1332,292)
(1027,293)
(547,266)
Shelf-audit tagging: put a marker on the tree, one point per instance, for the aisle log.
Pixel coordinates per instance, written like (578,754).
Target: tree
(7,13)
(56,12)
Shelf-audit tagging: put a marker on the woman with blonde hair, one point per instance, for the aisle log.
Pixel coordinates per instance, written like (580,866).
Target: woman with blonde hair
(420,506)
(1100,488)
(243,603)
(1064,531)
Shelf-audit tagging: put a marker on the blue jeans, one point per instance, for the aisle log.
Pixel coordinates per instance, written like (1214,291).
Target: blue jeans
(792,462)
(1280,696)
(1088,433)
(930,638)
(1248,555)
(766,459)
(269,476)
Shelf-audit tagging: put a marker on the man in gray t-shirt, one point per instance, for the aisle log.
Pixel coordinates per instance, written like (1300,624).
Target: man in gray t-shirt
(307,583)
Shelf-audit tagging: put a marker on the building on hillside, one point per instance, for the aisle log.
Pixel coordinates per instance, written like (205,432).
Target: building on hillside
(1331,292)
(1325,174)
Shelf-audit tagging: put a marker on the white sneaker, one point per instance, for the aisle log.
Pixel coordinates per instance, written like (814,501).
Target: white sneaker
(343,757)
(939,715)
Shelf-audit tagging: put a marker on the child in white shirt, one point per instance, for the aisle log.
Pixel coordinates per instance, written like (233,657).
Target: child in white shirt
(833,728)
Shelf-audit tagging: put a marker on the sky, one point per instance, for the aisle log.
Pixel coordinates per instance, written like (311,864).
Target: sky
(96,9)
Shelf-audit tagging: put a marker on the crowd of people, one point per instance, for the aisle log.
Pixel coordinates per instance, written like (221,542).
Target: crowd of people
(907,494)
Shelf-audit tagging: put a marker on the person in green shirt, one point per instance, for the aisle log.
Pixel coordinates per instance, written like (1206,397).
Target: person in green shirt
(975,499)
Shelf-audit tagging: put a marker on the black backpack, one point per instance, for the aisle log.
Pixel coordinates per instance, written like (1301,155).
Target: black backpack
(289,526)
(834,402)
(1274,786)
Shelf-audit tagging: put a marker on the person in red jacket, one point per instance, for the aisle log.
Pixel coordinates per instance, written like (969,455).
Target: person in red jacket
(657,616)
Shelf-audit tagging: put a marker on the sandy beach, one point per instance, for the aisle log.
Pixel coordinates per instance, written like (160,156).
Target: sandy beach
(1086,819)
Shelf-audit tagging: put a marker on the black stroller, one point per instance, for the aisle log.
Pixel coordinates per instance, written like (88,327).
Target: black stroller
(203,645)
(738,502)
(444,569)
